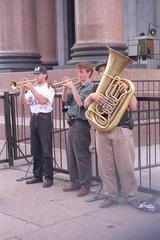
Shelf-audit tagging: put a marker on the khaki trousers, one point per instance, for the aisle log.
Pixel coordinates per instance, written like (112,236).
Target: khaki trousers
(116,148)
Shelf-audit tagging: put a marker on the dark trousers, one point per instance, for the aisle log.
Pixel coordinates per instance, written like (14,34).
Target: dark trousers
(78,154)
(41,145)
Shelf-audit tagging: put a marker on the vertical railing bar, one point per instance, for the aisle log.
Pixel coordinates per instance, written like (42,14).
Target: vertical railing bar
(8,127)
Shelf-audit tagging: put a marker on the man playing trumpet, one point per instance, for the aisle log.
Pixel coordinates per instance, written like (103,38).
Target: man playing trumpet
(79,139)
(40,98)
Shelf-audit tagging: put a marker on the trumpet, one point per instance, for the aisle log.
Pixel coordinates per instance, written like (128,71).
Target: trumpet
(60,84)
(15,84)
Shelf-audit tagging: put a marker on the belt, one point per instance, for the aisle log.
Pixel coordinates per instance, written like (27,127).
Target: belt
(41,114)
(78,119)
(124,126)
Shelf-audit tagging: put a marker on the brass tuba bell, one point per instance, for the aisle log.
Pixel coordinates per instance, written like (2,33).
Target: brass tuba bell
(106,115)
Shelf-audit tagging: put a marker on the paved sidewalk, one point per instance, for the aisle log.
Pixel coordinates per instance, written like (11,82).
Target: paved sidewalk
(30,212)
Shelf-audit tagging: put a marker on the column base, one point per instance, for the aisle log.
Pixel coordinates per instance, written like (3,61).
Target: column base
(18,62)
(93,52)
(49,65)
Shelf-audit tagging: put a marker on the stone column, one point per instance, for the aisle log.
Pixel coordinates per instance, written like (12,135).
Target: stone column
(46,31)
(18,35)
(98,24)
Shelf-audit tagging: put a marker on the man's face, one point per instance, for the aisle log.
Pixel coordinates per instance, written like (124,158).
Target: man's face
(40,77)
(101,70)
(83,75)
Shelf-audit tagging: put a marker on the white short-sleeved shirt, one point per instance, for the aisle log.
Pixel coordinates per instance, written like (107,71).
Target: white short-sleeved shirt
(46,92)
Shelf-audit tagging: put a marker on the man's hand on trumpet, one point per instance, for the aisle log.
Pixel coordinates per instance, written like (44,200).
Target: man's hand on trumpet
(28,84)
(67,83)
(23,85)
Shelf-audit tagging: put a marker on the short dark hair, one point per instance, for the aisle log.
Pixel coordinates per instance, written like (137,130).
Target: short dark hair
(86,65)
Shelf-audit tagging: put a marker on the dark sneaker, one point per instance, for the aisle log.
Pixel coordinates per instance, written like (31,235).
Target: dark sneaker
(134,203)
(34,180)
(71,188)
(47,183)
(108,203)
(83,192)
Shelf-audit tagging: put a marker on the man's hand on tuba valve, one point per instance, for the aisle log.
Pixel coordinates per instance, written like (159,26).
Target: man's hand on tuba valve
(97,97)
(123,87)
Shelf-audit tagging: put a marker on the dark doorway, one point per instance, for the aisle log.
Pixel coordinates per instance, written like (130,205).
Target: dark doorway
(71,26)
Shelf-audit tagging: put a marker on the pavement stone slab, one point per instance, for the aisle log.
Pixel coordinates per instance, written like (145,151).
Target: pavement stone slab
(11,226)
(30,212)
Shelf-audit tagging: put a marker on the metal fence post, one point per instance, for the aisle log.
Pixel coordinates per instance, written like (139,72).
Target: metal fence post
(8,127)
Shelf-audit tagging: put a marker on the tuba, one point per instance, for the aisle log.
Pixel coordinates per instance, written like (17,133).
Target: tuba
(106,115)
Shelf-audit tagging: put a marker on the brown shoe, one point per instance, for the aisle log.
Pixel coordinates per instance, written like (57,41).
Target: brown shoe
(83,192)
(71,188)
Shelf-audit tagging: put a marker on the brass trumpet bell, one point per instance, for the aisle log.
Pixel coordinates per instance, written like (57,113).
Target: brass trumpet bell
(15,84)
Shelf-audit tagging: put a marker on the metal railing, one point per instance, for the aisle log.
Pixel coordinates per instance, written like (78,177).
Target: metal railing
(147,88)
(17,132)
(146,133)
(147,141)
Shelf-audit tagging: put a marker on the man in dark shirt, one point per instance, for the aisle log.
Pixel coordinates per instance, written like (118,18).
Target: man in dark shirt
(79,139)
(116,151)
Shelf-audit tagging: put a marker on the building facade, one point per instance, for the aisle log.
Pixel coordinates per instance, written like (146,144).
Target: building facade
(59,33)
